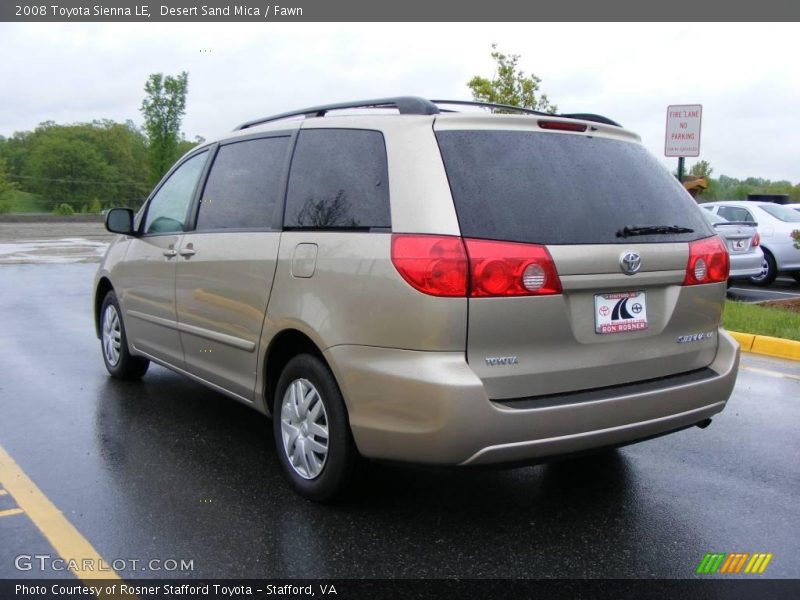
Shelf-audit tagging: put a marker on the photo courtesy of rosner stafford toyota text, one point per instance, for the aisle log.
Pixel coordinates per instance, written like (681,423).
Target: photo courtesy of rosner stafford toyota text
(362,301)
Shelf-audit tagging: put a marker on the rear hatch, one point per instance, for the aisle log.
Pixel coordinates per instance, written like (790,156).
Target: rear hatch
(588,199)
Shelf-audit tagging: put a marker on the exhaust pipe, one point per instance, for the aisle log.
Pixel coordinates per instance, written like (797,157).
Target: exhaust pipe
(704,423)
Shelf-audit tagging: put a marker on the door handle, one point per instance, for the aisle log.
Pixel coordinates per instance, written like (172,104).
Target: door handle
(170,253)
(187,252)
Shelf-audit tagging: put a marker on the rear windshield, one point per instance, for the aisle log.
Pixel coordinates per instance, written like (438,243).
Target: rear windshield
(551,188)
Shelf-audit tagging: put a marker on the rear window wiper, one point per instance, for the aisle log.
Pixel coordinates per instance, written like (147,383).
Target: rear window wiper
(652,230)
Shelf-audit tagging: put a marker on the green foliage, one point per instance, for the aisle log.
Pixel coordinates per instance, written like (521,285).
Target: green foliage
(7,187)
(730,188)
(701,168)
(760,320)
(509,85)
(75,163)
(95,206)
(25,202)
(163,108)
(63,209)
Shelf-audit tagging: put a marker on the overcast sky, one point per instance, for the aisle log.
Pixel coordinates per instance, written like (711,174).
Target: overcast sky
(746,76)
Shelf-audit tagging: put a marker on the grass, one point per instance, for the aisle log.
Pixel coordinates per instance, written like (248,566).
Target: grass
(25,202)
(761,320)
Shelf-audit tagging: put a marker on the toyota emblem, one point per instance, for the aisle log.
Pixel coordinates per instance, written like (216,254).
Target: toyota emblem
(630,262)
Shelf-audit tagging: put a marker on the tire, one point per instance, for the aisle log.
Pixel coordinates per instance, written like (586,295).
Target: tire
(317,469)
(769,271)
(119,362)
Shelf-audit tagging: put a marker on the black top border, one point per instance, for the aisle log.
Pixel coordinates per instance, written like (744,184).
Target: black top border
(266,11)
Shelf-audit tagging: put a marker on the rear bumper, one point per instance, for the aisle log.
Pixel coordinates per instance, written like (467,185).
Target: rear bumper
(430,408)
(746,265)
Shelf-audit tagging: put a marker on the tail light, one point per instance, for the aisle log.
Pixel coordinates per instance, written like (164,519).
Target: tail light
(451,267)
(433,264)
(708,262)
(756,240)
(510,269)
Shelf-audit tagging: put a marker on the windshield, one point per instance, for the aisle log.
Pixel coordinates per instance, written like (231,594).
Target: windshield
(555,188)
(784,213)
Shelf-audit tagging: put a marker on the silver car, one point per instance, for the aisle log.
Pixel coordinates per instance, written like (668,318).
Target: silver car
(743,243)
(775,223)
(430,287)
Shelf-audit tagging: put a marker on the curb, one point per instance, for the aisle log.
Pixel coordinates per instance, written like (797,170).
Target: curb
(770,346)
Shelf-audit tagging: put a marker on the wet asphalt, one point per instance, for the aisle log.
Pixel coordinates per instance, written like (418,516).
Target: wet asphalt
(783,288)
(165,468)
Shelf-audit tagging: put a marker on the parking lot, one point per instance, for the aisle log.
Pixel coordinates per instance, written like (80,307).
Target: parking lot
(166,469)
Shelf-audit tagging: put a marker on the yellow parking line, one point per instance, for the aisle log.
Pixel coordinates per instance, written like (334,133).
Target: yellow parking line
(61,534)
(770,373)
(10,512)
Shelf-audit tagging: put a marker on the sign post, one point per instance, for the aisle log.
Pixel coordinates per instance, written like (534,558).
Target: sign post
(683,132)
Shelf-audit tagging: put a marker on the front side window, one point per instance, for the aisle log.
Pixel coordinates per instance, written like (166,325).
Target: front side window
(339,180)
(243,185)
(168,211)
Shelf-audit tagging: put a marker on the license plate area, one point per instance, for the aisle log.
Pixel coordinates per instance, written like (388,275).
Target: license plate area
(618,312)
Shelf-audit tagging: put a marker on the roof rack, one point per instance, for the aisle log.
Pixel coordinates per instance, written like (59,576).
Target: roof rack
(414,105)
(526,111)
(406,105)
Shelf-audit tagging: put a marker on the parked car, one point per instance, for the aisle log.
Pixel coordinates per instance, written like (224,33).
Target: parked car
(433,286)
(742,241)
(775,223)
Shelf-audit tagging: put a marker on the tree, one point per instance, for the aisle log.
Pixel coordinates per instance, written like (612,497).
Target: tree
(67,170)
(509,85)
(163,108)
(701,168)
(6,187)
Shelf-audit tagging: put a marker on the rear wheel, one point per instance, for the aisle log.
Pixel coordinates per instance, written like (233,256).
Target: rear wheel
(311,430)
(116,356)
(769,271)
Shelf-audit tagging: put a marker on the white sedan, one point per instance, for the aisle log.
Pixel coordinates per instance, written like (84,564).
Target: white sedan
(775,223)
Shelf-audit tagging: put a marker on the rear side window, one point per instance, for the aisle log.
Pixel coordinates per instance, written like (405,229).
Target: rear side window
(339,180)
(784,213)
(243,186)
(551,188)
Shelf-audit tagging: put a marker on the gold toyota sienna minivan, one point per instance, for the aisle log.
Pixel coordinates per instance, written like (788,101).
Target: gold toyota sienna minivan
(444,283)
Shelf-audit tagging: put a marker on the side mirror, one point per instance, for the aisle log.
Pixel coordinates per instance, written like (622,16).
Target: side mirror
(120,220)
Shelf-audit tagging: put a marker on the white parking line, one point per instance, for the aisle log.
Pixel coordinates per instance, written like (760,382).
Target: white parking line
(770,373)
(735,289)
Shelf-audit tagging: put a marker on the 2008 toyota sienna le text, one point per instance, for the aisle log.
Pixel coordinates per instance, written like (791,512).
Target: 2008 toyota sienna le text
(430,285)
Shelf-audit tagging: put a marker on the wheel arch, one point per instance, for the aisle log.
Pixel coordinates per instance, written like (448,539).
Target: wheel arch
(103,287)
(282,348)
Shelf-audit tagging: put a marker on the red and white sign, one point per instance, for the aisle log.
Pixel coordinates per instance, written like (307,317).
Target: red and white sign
(683,130)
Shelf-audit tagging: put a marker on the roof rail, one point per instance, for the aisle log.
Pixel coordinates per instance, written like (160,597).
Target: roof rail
(528,111)
(406,105)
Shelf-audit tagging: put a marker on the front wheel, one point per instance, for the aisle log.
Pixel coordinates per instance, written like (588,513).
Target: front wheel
(311,430)
(769,271)
(116,356)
